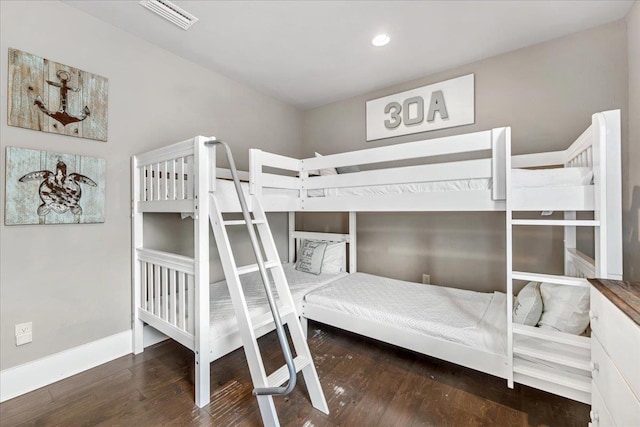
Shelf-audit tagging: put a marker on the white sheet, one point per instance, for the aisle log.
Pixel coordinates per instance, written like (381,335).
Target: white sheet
(222,316)
(470,318)
(521,178)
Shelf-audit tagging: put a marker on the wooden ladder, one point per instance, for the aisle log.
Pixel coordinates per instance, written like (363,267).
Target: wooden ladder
(283,311)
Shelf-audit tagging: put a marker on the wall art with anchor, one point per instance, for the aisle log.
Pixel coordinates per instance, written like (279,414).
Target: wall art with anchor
(43,187)
(52,97)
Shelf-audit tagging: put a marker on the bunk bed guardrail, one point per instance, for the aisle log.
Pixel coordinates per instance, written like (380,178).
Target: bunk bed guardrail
(492,166)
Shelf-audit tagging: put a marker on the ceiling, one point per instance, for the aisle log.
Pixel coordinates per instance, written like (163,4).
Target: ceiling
(311,53)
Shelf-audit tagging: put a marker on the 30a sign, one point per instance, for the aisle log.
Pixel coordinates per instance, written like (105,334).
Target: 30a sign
(441,105)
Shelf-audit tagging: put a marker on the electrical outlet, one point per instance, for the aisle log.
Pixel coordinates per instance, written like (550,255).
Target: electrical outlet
(24,333)
(426,279)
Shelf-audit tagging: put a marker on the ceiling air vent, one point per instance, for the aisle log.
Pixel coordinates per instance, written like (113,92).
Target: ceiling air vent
(170,12)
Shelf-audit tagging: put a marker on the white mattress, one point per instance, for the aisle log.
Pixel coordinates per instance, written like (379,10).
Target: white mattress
(520,178)
(223,320)
(470,318)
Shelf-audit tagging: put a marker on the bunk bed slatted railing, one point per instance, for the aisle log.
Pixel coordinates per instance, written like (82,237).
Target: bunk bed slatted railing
(165,182)
(166,292)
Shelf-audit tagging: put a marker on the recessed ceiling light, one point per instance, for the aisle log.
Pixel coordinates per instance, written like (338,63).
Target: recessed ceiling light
(381,40)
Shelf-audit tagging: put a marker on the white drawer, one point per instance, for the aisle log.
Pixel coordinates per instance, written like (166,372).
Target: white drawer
(599,414)
(618,397)
(619,335)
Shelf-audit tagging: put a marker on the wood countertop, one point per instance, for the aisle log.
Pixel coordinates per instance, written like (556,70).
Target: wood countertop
(624,295)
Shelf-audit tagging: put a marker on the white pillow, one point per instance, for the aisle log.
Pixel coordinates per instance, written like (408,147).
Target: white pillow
(327,171)
(310,256)
(528,306)
(566,308)
(334,257)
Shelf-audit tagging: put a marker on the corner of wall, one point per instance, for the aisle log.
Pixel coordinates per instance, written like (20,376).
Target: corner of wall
(632,225)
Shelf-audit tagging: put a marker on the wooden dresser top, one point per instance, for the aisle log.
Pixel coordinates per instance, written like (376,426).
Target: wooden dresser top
(624,295)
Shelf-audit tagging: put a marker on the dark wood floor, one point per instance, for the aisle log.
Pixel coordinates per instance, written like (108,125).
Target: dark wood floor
(366,384)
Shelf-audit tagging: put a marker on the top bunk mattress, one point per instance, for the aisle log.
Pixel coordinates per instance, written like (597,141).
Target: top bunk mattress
(520,178)
(222,317)
(474,319)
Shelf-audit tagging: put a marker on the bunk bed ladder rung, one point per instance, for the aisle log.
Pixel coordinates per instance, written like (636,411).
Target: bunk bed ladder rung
(574,357)
(242,222)
(565,379)
(281,375)
(558,222)
(265,386)
(550,278)
(255,267)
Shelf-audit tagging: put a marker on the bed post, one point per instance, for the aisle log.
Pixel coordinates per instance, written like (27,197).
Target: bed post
(292,240)
(255,172)
(204,163)
(499,169)
(608,194)
(353,244)
(136,242)
(569,242)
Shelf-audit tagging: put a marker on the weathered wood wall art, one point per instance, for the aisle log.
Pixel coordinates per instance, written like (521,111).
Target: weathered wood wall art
(52,188)
(52,97)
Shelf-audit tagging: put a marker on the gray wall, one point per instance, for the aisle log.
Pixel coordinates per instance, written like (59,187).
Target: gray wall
(632,199)
(546,93)
(73,281)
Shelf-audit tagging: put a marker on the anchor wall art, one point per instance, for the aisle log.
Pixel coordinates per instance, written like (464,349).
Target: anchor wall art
(53,188)
(52,97)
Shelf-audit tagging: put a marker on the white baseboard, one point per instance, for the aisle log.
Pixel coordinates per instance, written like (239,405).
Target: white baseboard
(42,372)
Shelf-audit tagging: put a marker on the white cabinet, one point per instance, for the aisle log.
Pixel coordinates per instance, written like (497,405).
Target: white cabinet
(615,358)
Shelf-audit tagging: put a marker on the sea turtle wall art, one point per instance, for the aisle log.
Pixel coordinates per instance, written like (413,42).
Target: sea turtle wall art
(52,97)
(53,188)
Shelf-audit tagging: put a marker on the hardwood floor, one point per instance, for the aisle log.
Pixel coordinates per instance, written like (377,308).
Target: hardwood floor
(366,384)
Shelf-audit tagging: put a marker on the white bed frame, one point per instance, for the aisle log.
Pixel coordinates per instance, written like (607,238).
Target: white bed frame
(171,292)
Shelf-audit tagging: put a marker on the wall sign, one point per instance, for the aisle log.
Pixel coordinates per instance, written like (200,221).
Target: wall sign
(441,105)
(53,188)
(51,97)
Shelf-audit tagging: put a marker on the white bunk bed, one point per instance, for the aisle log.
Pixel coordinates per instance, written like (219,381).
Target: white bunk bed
(178,178)
(552,361)
(172,292)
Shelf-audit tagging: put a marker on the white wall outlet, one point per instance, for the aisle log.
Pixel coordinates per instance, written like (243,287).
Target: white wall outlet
(426,279)
(24,333)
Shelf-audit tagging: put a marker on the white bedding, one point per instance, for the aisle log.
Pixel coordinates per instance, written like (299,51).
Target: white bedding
(520,178)
(222,316)
(475,319)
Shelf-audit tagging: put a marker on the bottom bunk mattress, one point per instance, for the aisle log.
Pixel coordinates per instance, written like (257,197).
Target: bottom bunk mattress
(222,316)
(474,319)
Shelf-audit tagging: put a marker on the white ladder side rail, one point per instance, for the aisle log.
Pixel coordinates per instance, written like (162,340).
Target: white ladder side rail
(501,141)
(298,336)
(245,326)
(203,158)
